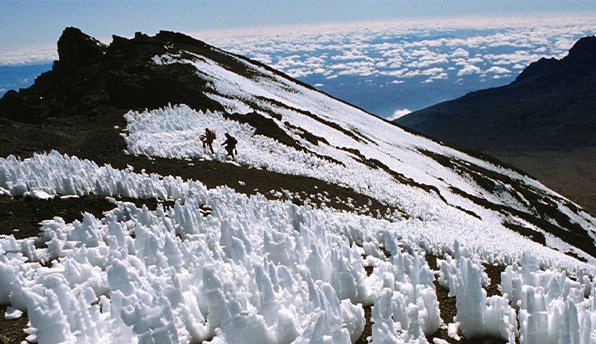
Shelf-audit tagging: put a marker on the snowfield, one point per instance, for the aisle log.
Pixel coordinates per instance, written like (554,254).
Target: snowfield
(222,267)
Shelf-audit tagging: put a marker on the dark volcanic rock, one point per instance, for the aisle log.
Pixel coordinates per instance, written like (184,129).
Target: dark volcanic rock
(536,69)
(583,53)
(89,76)
(578,64)
(76,49)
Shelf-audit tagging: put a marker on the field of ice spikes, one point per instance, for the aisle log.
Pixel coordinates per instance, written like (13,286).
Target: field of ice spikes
(255,270)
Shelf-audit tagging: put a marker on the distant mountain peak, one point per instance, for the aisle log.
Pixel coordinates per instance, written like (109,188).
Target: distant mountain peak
(579,63)
(536,69)
(583,51)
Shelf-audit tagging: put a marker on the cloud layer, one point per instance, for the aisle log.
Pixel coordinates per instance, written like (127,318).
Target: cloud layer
(398,113)
(428,52)
(28,55)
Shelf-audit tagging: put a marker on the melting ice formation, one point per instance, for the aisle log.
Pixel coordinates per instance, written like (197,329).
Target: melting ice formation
(262,271)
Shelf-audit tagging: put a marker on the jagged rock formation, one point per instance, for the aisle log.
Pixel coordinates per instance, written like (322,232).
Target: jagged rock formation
(90,76)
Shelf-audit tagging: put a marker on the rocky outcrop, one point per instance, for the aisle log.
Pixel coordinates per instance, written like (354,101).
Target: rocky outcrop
(580,63)
(90,76)
(76,49)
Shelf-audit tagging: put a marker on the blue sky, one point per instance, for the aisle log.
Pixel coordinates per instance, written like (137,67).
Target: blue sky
(41,22)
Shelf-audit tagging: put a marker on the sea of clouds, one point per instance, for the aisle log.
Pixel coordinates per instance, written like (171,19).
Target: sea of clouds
(387,67)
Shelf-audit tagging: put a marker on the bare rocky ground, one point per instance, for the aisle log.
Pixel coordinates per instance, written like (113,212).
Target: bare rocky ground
(11,331)
(571,172)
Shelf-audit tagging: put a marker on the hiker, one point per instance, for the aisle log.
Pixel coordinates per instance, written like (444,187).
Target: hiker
(207,138)
(230,145)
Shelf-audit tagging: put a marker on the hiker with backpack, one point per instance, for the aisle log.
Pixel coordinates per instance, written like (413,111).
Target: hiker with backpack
(207,138)
(230,145)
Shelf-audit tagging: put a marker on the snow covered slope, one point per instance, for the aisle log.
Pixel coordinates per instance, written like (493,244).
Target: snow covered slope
(225,267)
(422,178)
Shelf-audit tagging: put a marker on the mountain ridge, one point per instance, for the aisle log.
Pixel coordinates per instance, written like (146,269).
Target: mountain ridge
(532,97)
